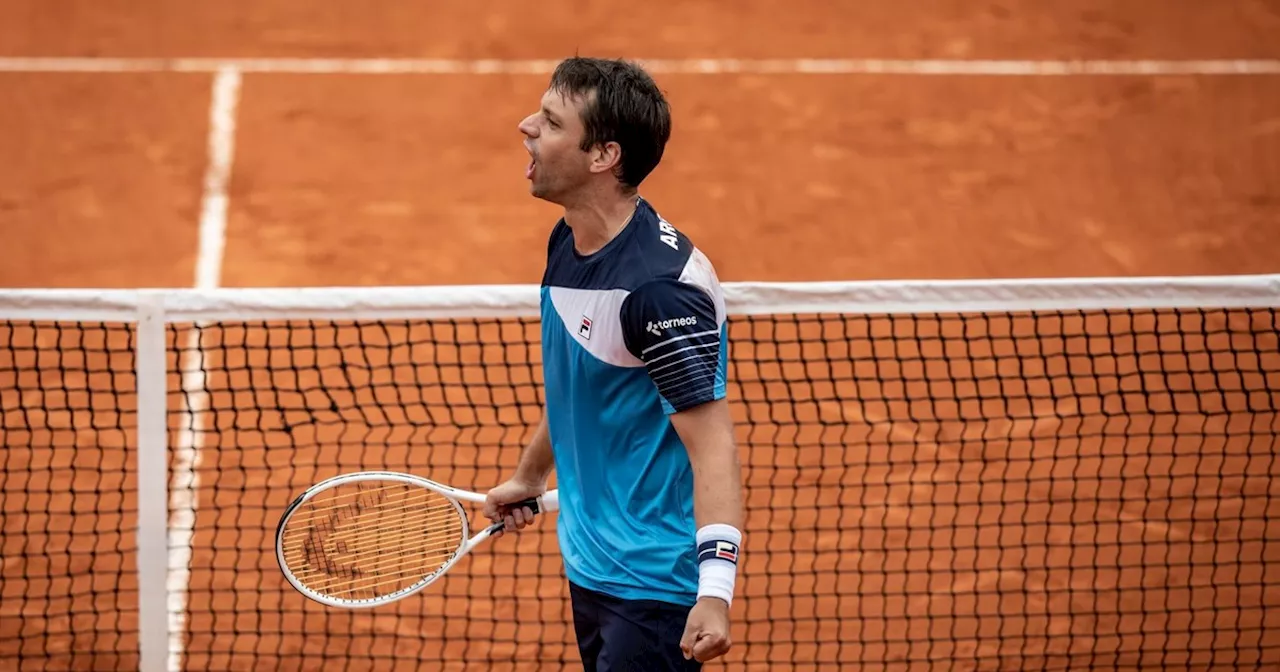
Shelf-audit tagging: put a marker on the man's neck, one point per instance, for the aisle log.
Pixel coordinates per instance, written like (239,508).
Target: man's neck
(596,221)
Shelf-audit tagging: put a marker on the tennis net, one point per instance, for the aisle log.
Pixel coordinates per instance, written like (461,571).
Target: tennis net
(1049,475)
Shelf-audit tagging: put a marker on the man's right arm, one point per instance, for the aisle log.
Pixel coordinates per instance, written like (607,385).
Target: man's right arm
(529,480)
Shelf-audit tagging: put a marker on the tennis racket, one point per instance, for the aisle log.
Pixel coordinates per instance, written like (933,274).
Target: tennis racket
(370,538)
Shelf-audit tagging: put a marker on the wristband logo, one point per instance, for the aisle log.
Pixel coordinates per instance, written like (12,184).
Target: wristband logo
(718,549)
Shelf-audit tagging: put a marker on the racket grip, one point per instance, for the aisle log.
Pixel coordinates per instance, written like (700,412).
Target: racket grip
(532,503)
(548,502)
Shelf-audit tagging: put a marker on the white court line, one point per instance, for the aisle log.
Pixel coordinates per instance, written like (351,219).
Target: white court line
(185,481)
(213,209)
(705,66)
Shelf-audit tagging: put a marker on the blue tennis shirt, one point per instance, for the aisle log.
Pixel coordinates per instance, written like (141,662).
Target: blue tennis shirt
(630,334)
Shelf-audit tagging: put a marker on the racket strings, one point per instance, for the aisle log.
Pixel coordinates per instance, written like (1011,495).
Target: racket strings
(369,569)
(404,527)
(341,565)
(379,574)
(356,503)
(374,576)
(376,538)
(371,554)
(358,541)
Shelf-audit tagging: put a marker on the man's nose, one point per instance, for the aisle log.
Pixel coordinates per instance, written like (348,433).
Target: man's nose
(528,126)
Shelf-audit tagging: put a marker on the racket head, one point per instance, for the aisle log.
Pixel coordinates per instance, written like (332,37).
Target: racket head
(370,538)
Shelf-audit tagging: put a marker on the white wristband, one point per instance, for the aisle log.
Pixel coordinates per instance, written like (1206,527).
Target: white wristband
(718,551)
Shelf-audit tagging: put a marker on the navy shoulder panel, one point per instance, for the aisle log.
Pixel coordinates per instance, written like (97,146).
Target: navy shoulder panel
(649,248)
(555,243)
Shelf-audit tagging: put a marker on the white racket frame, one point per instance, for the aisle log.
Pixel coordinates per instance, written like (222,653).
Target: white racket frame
(547,502)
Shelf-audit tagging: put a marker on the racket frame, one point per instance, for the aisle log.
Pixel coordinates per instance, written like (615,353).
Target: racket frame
(545,503)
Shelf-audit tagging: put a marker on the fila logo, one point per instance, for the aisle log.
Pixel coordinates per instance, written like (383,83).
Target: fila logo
(668,234)
(584,330)
(656,328)
(718,549)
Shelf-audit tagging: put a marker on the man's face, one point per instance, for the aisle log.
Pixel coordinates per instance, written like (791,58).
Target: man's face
(553,136)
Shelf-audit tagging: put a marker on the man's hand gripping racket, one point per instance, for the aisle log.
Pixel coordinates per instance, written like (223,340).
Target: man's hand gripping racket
(370,538)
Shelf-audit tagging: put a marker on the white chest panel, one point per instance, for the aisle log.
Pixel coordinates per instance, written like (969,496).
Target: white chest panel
(591,317)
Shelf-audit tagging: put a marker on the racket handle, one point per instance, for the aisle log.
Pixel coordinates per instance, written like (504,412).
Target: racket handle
(532,503)
(548,502)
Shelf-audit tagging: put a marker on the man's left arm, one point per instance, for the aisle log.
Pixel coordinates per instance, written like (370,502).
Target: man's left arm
(673,328)
(707,433)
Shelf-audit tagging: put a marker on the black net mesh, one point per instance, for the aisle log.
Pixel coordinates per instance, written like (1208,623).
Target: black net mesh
(68,497)
(1031,491)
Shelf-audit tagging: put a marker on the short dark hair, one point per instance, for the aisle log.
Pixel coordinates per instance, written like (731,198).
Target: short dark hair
(622,104)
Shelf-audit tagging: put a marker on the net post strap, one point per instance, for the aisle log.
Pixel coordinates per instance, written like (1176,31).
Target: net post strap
(153,468)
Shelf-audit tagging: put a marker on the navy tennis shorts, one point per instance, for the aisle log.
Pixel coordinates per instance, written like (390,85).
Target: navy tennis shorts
(616,635)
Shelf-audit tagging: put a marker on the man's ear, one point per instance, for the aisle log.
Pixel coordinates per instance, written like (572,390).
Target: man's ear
(606,156)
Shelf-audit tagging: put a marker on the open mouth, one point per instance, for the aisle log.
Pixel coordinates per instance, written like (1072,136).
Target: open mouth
(533,162)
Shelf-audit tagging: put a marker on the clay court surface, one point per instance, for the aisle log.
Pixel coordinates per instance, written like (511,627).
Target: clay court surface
(349,179)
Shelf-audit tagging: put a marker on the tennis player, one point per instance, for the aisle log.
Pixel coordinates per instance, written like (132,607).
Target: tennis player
(634,348)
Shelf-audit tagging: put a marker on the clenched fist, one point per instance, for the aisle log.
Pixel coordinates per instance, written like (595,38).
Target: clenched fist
(706,632)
